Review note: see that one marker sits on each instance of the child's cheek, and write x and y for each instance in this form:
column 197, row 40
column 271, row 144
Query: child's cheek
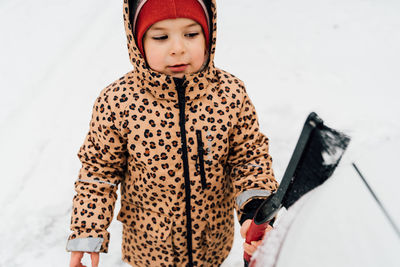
column 154, row 59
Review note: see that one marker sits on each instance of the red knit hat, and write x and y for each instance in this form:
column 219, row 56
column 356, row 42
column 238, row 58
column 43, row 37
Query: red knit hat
column 152, row 11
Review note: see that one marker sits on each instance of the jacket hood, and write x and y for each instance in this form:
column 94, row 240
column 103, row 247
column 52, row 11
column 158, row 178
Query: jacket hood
column 139, row 62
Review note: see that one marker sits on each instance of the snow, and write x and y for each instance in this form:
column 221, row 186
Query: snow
column 331, row 159
column 336, row 143
column 269, row 250
column 331, row 226
column 337, row 58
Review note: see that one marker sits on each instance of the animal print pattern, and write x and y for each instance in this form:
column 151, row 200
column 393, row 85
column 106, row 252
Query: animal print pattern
column 134, row 141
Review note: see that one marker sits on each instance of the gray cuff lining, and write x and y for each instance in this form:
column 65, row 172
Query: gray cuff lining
column 89, row 244
column 246, row 195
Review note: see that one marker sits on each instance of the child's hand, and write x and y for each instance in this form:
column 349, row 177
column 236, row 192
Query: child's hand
column 76, row 257
column 250, row 249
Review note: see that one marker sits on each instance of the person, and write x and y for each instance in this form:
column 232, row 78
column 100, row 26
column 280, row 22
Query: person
column 180, row 137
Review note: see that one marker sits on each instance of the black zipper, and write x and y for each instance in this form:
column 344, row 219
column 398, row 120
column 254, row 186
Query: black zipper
column 200, row 153
column 182, row 119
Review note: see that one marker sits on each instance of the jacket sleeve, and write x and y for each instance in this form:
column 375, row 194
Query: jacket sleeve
column 249, row 162
column 103, row 161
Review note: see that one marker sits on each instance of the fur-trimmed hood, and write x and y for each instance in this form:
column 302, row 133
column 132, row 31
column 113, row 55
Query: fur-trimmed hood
column 137, row 59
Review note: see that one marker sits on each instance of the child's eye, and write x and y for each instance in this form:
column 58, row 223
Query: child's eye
column 192, row 34
column 161, row 37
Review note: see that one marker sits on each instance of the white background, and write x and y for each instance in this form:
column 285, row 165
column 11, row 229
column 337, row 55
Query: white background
column 340, row 59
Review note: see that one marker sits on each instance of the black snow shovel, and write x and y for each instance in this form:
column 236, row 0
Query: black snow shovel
column 317, row 153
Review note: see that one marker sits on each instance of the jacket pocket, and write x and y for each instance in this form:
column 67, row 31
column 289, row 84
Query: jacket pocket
column 200, row 154
column 154, row 224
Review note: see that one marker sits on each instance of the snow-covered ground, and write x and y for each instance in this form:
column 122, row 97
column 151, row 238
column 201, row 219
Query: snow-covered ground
column 338, row 58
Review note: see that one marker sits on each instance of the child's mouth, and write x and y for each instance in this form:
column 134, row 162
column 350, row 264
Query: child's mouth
column 178, row 67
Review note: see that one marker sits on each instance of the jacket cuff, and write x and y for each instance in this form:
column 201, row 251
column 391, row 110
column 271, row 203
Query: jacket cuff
column 248, row 195
column 248, row 202
column 250, row 209
column 86, row 244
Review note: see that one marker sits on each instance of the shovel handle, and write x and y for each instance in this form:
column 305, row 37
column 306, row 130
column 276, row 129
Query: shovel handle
column 255, row 233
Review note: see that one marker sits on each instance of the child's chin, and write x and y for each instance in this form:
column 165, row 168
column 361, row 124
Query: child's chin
column 178, row 75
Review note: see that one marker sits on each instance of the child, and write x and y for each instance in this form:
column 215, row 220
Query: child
column 181, row 137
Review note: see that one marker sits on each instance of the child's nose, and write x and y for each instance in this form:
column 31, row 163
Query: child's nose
column 177, row 47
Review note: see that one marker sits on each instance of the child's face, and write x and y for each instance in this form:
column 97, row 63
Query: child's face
column 175, row 47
